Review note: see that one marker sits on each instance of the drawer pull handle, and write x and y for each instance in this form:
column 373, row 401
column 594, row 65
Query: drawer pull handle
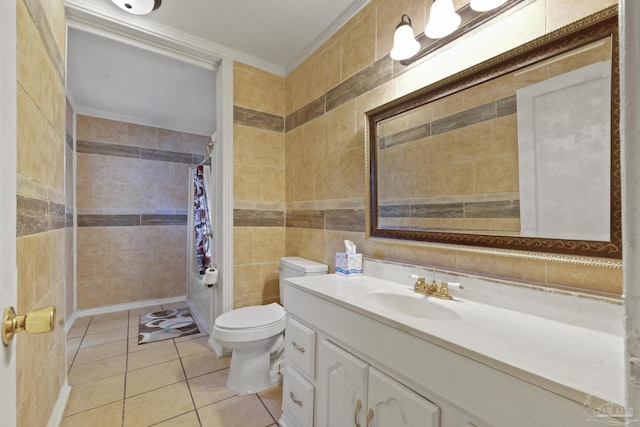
column 295, row 346
column 293, row 397
column 369, row 416
column 355, row 414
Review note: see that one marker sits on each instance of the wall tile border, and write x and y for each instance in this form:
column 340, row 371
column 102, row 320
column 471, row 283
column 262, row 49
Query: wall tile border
column 327, row 219
column 312, row 110
column 306, row 219
column 360, row 83
column 117, row 150
column 258, row 119
column 163, row 219
column 490, row 209
column 129, row 220
column 459, row 120
column 35, row 216
column 258, row 218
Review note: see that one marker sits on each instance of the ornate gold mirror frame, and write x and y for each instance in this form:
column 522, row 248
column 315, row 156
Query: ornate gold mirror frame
column 602, row 25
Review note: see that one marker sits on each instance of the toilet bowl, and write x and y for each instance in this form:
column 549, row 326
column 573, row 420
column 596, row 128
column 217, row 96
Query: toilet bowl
column 256, row 335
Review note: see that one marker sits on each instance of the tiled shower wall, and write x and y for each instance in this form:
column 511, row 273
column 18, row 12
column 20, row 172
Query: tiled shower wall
column 258, row 185
column 42, row 198
column 132, row 202
column 326, row 98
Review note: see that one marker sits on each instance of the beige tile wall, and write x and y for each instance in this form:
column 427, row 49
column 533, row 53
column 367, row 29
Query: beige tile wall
column 41, row 364
column 259, row 184
column 116, row 264
column 325, row 157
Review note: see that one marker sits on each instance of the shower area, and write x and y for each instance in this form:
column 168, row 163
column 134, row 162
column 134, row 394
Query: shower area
column 137, row 144
column 200, row 242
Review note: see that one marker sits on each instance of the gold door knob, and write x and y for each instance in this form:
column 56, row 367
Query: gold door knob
column 36, row 322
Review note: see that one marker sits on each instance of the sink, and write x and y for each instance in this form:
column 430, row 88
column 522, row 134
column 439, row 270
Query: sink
column 413, row 305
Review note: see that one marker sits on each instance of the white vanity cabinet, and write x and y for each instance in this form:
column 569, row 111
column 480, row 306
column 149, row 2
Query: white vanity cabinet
column 352, row 393
column 360, row 355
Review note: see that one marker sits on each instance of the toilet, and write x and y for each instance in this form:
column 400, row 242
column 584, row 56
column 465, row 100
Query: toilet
column 256, row 334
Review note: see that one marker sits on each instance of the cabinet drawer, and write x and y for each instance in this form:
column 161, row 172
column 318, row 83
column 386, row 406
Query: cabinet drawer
column 297, row 397
column 300, row 347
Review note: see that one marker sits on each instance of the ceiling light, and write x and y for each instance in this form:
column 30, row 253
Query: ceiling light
column 443, row 19
column 138, row 7
column 484, row 5
column 405, row 44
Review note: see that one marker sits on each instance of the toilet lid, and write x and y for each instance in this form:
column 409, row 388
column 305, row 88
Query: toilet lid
column 251, row 317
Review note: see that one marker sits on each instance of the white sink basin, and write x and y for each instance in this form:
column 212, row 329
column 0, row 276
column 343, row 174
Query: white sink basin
column 414, row 305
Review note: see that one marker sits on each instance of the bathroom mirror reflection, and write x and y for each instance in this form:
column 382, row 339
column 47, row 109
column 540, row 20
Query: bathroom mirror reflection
column 519, row 152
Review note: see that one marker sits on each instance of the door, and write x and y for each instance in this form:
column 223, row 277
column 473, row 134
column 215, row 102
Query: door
column 8, row 275
column 393, row 405
column 342, row 388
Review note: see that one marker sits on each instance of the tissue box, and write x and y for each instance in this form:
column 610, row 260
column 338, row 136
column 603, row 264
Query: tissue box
column 348, row 264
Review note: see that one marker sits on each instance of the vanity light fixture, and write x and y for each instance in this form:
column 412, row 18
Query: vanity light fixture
column 445, row 25
column 405, row 44
column 138, row 7
column 484, row 5
column 443, row 19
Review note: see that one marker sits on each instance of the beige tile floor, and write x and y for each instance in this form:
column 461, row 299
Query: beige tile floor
column 178, row 382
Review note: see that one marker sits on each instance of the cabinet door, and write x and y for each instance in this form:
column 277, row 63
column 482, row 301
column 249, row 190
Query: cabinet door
column 342, row 388
column 393, row 405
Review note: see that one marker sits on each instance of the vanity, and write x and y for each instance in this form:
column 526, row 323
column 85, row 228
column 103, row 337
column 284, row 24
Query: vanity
column 369, row 351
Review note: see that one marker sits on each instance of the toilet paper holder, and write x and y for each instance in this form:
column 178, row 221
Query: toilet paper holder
column 211, row 277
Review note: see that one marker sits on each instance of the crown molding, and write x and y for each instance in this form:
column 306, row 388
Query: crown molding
column 156, row 36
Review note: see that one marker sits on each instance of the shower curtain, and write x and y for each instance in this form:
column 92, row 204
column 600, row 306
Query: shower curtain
column 201, row 223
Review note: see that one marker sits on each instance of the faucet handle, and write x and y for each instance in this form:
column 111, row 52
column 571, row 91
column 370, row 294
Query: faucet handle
column 420, row 285
column 455, row 285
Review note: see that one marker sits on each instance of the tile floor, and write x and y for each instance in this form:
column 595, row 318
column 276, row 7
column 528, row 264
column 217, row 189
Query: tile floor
column 178, row 382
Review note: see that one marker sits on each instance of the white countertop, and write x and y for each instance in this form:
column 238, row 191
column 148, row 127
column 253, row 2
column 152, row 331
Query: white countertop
column 569, row 360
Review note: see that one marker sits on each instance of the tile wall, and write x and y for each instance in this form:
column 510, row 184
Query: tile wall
column 42, row 201
column 132, row 202
column 326, row 98
column 258, row 185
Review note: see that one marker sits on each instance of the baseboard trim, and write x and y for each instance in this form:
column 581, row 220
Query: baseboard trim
column 58, row 410
column 126, row 306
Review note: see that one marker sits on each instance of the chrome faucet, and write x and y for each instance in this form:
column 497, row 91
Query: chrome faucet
column 433, row 289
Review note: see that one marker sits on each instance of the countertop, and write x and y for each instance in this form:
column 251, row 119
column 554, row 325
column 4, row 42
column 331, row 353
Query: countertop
column 575, row 362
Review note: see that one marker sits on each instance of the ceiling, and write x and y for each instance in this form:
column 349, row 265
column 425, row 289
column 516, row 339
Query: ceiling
column 143, row 79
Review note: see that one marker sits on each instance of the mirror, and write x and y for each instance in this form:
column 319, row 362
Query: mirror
column 521, row 152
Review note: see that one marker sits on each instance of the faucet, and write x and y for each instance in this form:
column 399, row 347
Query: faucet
column 433, row 289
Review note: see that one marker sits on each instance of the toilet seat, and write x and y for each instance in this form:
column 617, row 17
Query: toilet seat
column 250, row 323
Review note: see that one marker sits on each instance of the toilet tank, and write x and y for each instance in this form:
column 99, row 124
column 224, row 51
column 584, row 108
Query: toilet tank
column 295, row 266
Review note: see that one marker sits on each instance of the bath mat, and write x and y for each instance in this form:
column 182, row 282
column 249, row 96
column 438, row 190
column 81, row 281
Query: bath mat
column 167, row 324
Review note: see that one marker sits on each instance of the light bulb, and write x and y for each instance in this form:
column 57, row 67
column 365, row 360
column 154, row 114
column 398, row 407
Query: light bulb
column 443, row 19
column 405, row 44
